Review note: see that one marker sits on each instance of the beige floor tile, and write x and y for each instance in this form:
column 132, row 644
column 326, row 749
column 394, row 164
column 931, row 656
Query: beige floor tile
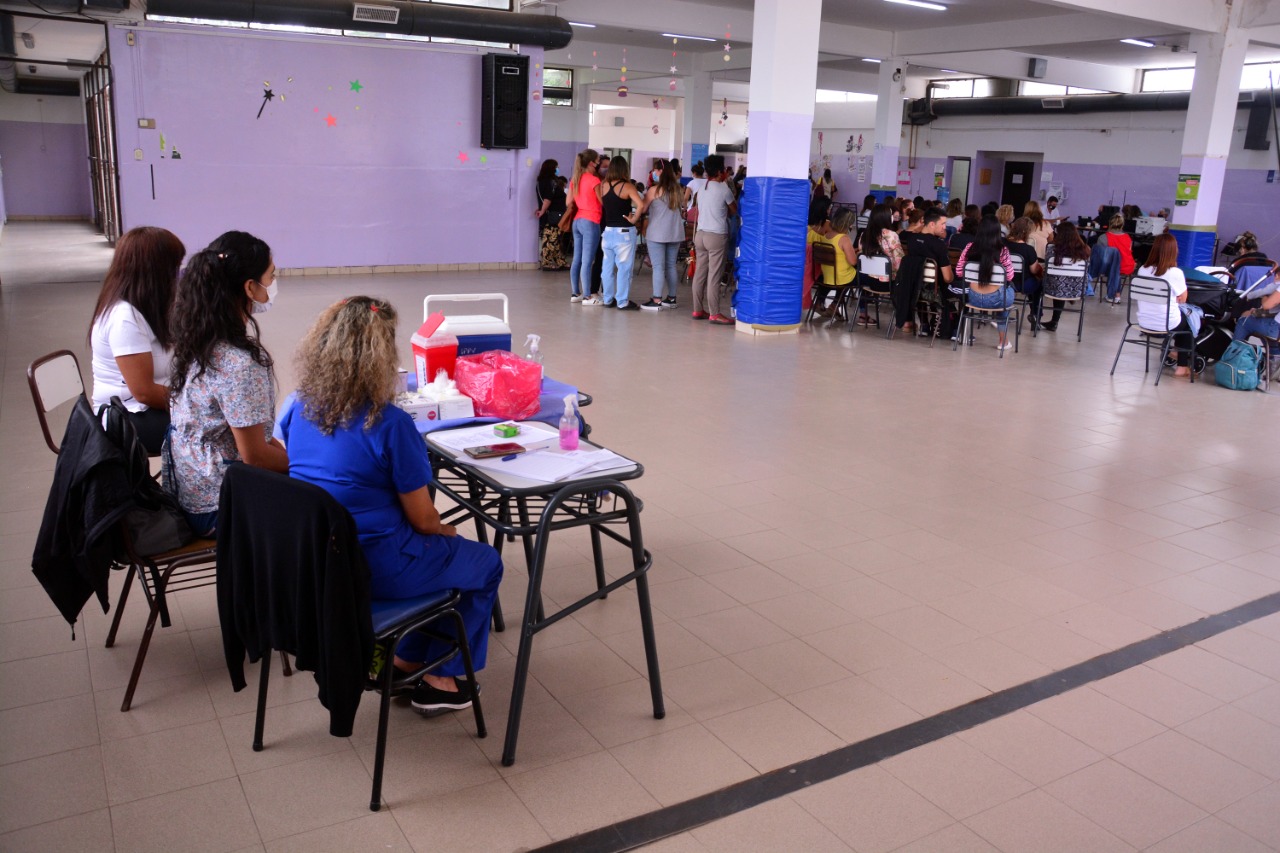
column 1265, row 704
column 853, row 709
column 485, row 817
column 581, row 667
column 753, row 584
column 34, row 730
column 704, row 558
column 35, row 637
column 1210, row 673
column 1102, row 723
column 766, row 545
column 1256, row 815
column 372, row 832
column 292, row 732
column 1036, row 821
column 925, row 685
column 1249, row 649
column 581, row 793
column 548, row 734
column 165, row 761
column 208, row 818
column 1192, row 771
column 956, row 838
column 33, row 680
column 790, row 666
column 1151, row 608
column 925, row 628
column 803, row 613
column 307, row 795
column 1210, row 834
column 866, row 597
column 169, row 656
column 51, row 787
column 1133, row 808
column 773, row 735
column 956, row 777
column 1239, row 736
column 682, row 763
column 431, row 760
column 888, row 814
column 714, row 688
column 170, row 703
column 1030, row 747
column 735, row 630
column 990, row 663
column 85, row 833
column 779, row 826
column 1156, row 695
column 623, row 713
column 689, row 598
column 677, row 647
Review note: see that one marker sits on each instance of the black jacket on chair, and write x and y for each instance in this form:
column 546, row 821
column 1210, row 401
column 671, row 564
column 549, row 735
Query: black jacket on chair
column 292, row 576
column 80, row 532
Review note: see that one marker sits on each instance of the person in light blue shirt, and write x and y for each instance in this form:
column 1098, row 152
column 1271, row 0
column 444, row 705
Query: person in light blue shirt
column 344, row 435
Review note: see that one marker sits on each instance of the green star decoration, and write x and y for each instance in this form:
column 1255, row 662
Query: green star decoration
column 355, row 86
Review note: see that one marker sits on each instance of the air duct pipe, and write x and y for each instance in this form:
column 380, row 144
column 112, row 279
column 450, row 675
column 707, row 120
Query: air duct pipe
column 928, row 110
column 410, row 18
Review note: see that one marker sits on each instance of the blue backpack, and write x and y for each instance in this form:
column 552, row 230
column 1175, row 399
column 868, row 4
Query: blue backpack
column 1238, row 368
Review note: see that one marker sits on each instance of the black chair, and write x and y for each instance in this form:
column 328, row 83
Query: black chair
column 1156, row 292
column 824, row 254
column 391, row 620
column 971, row 314
column 1066, row 284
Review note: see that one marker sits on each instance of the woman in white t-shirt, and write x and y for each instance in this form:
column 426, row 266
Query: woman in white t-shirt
column 1162, row 263
column 130, row 336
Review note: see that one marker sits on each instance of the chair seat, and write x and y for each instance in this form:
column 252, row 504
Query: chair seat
column 390, row 612
column 988, row 310
column 191, row 547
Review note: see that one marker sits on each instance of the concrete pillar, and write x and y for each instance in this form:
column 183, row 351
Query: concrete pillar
column 884, row 167
column 697, row 119
column 1206, row 143
column 775, row 201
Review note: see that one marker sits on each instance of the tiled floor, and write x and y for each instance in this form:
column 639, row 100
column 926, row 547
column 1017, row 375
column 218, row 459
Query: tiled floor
column 848, row 534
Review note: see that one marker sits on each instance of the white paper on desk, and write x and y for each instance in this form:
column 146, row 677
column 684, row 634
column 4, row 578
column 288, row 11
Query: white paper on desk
column 547, row 466
column 459, row 440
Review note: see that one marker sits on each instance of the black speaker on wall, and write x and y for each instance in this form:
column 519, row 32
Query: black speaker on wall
column 504, row 105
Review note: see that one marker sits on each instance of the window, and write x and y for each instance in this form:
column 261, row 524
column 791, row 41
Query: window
column 833, row 96
column 979, row 87
column 1032, row 88
column 1168, row 79
column 1260, row 76
column 557, row 86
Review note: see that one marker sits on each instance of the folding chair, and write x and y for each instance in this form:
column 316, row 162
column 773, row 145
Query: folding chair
column 970, row 314
column 1153, row 291
column 824, row 254
column 1021, row 299
column 1065, row 283
column 874, row 286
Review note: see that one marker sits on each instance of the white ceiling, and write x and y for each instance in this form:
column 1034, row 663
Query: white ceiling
column 56, row 41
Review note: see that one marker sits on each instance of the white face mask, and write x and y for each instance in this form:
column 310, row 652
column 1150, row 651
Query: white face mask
column 263, row 307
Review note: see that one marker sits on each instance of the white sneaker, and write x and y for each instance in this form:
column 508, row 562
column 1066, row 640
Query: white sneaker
column 593, row 300
column 1006, row 346
column 575, row 298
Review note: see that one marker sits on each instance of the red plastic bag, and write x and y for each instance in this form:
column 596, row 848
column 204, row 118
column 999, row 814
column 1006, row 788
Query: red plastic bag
column 502, row 384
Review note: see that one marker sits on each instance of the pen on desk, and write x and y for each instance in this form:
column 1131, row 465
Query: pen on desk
column 509, row 458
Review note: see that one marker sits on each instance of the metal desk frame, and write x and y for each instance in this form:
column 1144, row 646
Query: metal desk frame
column 516, row 507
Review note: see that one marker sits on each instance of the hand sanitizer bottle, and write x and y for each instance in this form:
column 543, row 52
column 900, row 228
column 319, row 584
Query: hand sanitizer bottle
column 532, row 349
column 569, row 424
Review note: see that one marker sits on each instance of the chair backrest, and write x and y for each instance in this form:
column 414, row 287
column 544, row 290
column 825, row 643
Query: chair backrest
column 1019, row 266
column 54, row 379
column 825, row 254
column 973, row 270
column 1153, row 291
column 876, row 266
column 929, row 275
column 1075, row 269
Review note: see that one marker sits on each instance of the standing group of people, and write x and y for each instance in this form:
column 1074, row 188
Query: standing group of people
column 182, row 352
column 603, row 210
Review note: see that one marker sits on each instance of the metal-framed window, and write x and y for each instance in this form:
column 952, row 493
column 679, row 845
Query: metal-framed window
column 557, row 86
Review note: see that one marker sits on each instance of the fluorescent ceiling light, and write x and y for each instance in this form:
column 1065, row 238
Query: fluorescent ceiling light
column 937, row 7
column 1137, row 42
column 869, row 59
column 691, row 38
column 580, row 24
column 949, row 71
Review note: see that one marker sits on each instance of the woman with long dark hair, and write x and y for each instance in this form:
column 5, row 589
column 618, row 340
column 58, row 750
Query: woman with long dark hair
column 223, row 405
column 989, row 290
column 663, row 235
column 345, row 436
column 129, row 335
column 879, row 238
column 1068, row 249
column 551, row 206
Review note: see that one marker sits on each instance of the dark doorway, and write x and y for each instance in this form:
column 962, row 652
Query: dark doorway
column 1017, row 184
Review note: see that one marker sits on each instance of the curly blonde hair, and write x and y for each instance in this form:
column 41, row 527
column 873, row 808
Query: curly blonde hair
column 348, row 363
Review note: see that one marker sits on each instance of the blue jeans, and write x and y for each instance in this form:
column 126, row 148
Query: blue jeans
column 1263, row 327
column 663, row 256
column 450, row 562
column 1105, row 262
column 203, row 524
column 1002, row 298
column 586, row 237
column 619, row 255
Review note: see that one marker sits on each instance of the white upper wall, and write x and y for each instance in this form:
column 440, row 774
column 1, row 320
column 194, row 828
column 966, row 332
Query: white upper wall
column 41, row 108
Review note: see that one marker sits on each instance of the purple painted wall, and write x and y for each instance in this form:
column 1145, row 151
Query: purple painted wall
column 563, row 153
column 46, row 169
column 391, row 173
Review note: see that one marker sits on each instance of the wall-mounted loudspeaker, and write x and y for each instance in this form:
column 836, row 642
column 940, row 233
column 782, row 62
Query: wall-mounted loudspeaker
column 1037, row 67
column 504, row 107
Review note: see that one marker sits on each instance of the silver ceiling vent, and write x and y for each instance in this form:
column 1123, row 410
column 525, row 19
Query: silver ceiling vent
column 1053, row 103
column 368, row 13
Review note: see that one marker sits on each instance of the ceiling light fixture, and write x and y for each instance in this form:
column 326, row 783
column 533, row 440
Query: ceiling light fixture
column 29, row 41
column 580, row 24
column 920, row 4
column 869, row 59
column 1137, row 42
column 949, row 71
column 690, row 38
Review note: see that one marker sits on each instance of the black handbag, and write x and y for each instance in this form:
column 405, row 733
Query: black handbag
column 156, row 524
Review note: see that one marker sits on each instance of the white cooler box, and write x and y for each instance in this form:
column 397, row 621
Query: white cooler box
column 475, row 332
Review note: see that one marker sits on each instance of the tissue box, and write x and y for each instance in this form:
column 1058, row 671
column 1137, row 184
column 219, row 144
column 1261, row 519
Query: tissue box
column 419, row 408
column 455, row 408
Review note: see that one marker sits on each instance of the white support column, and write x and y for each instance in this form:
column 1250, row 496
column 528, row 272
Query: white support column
column 888, row 138
column 697, row 119
column 1206, row 142
column 784, row 74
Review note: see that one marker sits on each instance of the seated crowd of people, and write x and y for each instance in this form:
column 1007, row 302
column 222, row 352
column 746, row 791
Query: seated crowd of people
column 986, row 256
column 183, row 354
